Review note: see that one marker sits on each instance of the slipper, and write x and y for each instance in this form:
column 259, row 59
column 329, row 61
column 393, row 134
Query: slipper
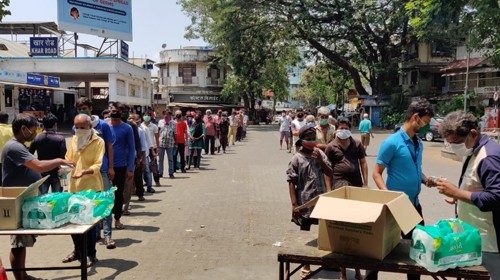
column 119, row 225
column 126, row 213
column 69, row 258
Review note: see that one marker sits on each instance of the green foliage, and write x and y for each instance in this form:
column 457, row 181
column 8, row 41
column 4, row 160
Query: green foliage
column 256, row 49
column 4, row 4
column 457, row 103
column 475, row 21
column 323, row 83
column 391, row 116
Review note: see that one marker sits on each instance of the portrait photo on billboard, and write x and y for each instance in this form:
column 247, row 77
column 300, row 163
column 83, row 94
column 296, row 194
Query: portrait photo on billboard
column 107, row 19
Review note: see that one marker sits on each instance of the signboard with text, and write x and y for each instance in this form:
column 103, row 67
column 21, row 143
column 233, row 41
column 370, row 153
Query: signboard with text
column 123, row 50
column 44, row 46
column 103, row 18
column 42, row 80
column 197, row 98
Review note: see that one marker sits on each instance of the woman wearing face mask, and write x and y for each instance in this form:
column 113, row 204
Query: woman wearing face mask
column 308, row 176
column 196, row 141
column 347, row 156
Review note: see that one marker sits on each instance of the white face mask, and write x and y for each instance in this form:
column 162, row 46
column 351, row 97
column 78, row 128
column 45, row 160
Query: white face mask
column 95, row 121
column 461, row 150
column 343, row 134
column 82, row 137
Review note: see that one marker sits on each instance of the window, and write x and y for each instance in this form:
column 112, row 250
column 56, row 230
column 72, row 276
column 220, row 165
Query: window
column 187, row 71
column 440, row 49
column 413, row 77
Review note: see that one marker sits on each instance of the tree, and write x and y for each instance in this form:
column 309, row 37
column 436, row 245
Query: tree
column 247, row 40
column 364, row 38
column 4, row 4
column 477, row 22
column 323, row 83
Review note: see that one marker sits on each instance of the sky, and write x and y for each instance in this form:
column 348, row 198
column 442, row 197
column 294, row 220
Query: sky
column 154, row 22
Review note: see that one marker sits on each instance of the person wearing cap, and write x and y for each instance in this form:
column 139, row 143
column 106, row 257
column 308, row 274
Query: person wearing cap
column 365, row 128
column 210, row 124
column 308, row 175
column 325, row 132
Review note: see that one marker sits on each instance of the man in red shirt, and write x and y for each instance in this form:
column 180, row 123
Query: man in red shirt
column 181, row 134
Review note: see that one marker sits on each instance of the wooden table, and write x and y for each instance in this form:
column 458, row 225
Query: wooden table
column 300, row 247
column 68, row 229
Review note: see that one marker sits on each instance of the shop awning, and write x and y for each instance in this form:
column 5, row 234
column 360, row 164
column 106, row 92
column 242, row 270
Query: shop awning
column 39, row 87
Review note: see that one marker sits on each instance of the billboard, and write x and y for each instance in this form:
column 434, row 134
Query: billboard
column 103, row 18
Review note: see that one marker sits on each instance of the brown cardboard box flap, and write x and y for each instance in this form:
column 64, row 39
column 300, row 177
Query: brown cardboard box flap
column 404, row 212
column 343, row 210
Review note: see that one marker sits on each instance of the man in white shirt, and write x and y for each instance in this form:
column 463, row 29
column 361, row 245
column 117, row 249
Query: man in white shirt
column 297, row 124
column 284, row 122
column 153, row 136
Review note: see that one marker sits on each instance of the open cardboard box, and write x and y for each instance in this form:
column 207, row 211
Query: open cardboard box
column 363, row 222
column 11, row 202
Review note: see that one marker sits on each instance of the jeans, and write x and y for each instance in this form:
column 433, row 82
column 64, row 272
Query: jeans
column 119, row 182
column 180, row 151
column 171, row 152
column 194, row 159
column 148, row 176
column 55, row 182
column 210, row 141
column 108, row 221
column 138, row 173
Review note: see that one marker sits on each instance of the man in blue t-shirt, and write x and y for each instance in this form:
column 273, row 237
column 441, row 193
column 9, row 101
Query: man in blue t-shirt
column 84, row 106
column 401, row 155
column 124, row 156
column 365, row 128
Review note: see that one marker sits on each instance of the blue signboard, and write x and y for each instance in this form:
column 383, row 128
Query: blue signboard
column 103, row 18
column 123, row 50
column 44, row 46
column 42, row 80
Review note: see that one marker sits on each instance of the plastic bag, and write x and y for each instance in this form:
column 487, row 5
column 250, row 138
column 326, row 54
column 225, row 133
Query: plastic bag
column 448, row 244
column 46, row 211
column 88, row 207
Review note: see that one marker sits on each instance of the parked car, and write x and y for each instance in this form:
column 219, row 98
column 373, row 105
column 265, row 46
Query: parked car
column 432, row 134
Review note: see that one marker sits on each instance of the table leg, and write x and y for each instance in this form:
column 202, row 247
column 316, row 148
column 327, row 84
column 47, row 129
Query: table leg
column 84, row 257
column 282, row 271
column 287, row 270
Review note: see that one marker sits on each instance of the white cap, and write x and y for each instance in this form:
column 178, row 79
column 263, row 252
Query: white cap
column 365, row 116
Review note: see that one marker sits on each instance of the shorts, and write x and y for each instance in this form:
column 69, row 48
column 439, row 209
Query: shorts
column 285, row 134
column 365, row 139
column 22, row 241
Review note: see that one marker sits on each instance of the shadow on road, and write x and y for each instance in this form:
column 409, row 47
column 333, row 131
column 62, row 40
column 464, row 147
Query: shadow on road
column 148, row 200
column 142, row 228
column 147, row 214
column 125, row 242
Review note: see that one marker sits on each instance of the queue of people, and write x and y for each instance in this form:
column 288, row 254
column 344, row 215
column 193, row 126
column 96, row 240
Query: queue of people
column 121, row 149
column 315, row 169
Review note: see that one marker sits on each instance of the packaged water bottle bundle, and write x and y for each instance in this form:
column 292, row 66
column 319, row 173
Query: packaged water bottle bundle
column 447, row 244
column 87, row 207
column 46, row 211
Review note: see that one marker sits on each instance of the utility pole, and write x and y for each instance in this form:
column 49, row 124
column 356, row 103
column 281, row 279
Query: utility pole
column 466, row 87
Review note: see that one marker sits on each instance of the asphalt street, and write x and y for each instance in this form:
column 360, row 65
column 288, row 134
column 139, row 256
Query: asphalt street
column 219, row 222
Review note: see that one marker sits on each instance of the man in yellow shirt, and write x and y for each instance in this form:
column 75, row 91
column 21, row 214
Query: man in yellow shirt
column 86, row 150
column 5, row 134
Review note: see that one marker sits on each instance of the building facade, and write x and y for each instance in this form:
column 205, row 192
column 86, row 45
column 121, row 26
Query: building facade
column 190, row 75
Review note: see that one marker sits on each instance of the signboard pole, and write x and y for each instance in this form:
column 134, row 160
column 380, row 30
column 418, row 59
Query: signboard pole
column 76, row 44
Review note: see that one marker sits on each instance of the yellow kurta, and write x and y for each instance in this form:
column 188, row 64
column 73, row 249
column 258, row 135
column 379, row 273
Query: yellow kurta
column 90, row 157
column 5, row 135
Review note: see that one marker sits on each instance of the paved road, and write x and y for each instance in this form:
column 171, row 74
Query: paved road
column 219, row 222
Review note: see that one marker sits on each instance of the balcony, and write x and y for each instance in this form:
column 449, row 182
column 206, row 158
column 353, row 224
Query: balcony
column 165, row 81
column 214, row 82
column 458, row 85
column 186, row 80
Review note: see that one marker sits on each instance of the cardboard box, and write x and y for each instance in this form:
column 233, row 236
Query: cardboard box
column 363, row 222
column 11, row 202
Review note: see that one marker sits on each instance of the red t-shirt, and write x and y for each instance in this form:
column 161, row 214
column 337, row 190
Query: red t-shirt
column 180, row 132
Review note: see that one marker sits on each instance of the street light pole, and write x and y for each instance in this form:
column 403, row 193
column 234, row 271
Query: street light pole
column 466, row 87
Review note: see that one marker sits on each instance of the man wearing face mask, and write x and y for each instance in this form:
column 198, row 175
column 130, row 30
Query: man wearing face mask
column 21, row 168
column 86, row 150
column 325, row 132
column 233, row 127
column 124, row 152
column 401, row 155
column 477, row 195
column 181, row 136
column 297, row 124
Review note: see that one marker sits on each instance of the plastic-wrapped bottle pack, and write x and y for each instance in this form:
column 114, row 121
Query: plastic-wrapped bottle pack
column 87, row 207
column 46, row 211
column 447, row 244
